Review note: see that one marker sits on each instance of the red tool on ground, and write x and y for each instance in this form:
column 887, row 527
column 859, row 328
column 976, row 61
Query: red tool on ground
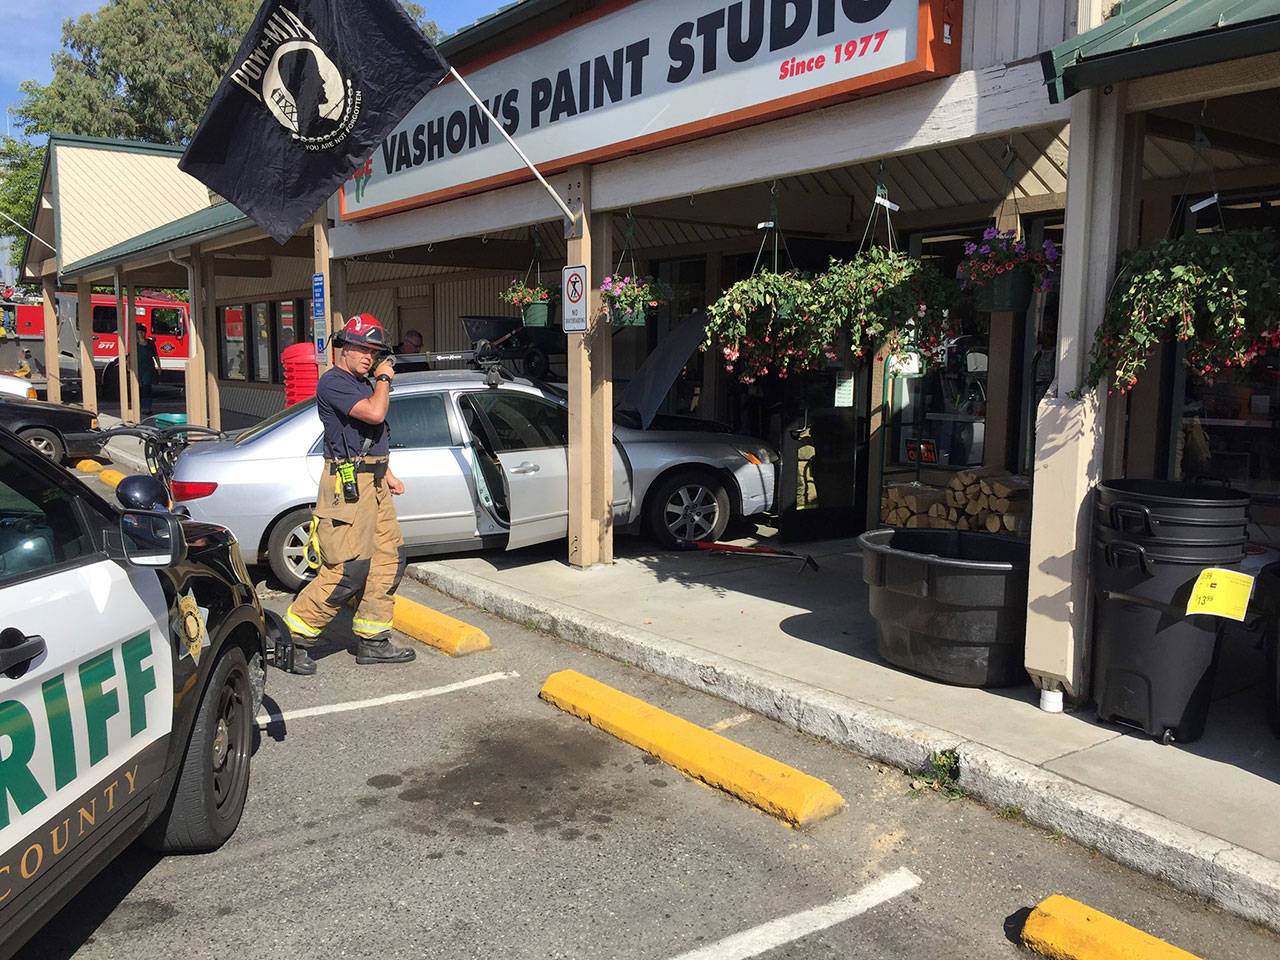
column 725, row 548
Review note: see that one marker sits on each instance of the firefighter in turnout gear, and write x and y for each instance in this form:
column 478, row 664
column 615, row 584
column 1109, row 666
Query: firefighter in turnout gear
column 361, row 547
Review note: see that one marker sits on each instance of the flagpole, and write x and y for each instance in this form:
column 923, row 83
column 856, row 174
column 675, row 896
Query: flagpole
column 514, row 146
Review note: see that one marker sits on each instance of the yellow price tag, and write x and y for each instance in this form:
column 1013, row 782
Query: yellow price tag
column 1221, row 593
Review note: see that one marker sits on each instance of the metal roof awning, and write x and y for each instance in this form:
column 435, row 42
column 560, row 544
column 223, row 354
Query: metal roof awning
column 1143, row 38
column 208, row 224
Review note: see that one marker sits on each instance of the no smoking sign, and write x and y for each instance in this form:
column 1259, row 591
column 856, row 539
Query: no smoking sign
column 574, row 284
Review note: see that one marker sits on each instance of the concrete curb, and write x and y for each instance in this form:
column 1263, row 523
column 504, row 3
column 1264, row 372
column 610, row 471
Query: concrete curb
column 1238, row 880
column 1066, row 929
column 437, row 629
column 765, row 783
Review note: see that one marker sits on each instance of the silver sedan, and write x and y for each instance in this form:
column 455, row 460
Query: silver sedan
column 483, row 466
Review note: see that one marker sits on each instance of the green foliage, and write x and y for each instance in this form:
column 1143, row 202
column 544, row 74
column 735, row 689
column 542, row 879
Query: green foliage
column 419, row 16
column 136, row 69
column 943, row 774
column 999, row 252
column 767, row 322
column 883, row 296
column 1219, row 294
column 625, row 294
column 520, row 293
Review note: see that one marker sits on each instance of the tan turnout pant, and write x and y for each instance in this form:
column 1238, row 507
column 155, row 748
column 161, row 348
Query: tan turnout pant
column 361, row 557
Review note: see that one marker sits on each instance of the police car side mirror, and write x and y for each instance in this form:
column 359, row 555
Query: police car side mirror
column 152, row 539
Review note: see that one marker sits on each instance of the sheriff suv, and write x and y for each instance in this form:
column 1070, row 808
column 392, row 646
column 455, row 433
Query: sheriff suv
column 132, row 662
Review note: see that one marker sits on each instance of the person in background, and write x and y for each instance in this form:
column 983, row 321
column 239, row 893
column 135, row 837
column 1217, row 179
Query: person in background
column 411, row 342
column 148, row 368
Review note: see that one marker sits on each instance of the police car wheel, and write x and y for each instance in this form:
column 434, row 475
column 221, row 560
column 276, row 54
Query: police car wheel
column 214, row 781
column 286, row 550
column 45, row 441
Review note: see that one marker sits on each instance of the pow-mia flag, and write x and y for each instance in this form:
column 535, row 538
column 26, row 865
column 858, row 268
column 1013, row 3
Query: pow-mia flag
column 315, row 86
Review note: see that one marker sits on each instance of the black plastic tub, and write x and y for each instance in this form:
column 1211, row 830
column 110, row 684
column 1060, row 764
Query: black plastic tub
column 1168, row 510
column 949, row 604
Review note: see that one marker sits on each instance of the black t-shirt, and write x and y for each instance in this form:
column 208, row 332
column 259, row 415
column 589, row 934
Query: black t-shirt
column 336, row 393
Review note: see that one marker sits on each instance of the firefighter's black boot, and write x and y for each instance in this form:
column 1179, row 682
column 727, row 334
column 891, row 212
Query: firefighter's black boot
column 302, row 662
column 380, row 649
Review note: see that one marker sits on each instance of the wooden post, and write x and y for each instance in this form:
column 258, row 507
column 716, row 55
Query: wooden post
column 84, row 322
column 195, row 379
column 320, row 236
column 53, row 377
column 338, row 311
column 209, row 339
column 131, row 339
column 122, row 328
column 590, row 359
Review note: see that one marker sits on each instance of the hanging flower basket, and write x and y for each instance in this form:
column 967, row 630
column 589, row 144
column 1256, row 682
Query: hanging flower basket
column 536, row 314
column 1218, row 294
column 767, row 323
column 533, row 300
column 1003, row 271
column 1009, row 290
column 629, row 298
column 882, row 296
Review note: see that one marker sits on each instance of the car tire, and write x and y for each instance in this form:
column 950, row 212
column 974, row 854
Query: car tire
column 285, row 549
column 209, row 796
column 685, row 506
column 47, row 442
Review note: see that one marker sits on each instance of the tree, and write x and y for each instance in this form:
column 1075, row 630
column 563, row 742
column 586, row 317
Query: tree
column 135, row 69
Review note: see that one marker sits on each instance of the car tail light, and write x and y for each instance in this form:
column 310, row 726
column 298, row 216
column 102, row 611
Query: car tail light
column 189, row 490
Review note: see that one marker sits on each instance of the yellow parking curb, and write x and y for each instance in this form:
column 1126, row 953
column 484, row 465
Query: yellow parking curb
column 111, row 478
column 437, row 629
column 1065, row 929
column 761, row 781
column 88, row 466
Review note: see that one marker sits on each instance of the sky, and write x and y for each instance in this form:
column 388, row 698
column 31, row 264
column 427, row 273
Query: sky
column 35, row 31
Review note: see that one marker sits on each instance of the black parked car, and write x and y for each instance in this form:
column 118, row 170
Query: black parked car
column 133, row 657
column 59, row 431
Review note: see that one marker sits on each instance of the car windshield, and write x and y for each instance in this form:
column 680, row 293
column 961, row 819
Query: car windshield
column 263, row 427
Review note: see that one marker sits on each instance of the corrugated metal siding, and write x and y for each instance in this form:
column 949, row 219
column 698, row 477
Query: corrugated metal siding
column 108, row 196
column 252, row 401
column 461, row 298
column 380, row 302
column 1003, row 31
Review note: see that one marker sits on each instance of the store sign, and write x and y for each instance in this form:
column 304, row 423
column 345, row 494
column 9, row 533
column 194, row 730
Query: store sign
column 639, row 74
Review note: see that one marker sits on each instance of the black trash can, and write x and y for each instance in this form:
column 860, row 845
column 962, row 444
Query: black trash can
column 949, row 604
column 1153, row 665
column 1266, row 595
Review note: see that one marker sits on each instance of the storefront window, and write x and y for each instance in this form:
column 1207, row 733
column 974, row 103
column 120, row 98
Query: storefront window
column 233, row 359
column 1226, row 426
column 260, row 333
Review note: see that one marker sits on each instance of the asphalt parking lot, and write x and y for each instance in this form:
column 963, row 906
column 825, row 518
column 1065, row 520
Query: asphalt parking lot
column 440, row 809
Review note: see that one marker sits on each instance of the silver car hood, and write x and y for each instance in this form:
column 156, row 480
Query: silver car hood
column 649, row 387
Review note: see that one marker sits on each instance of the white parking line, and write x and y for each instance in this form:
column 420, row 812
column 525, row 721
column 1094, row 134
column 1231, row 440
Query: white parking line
column 728, row 722
column 268, row 718
column 775, row 933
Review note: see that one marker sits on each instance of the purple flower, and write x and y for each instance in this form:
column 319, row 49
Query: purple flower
column 969, row 248
column 1050, row 250
column 985, row 248
column 990, row 234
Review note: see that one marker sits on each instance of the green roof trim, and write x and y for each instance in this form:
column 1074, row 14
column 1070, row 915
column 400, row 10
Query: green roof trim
column 207, row 224
column 501, row 20
column 1144, row 38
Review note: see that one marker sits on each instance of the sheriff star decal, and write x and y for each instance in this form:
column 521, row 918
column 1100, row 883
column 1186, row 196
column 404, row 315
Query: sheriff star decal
column 192, row 626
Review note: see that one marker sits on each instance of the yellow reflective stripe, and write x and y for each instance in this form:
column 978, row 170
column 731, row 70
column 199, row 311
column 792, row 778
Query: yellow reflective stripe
column 297, row 626
column 311, row 551
column 370, row 628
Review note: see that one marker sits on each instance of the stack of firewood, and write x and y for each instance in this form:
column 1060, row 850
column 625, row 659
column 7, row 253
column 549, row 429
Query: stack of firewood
column 987, row 500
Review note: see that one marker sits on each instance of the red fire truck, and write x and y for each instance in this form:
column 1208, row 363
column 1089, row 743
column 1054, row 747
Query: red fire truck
column 166, row 319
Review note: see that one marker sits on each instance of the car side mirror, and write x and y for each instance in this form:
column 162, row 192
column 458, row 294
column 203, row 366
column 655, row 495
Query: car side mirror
column 152, row 539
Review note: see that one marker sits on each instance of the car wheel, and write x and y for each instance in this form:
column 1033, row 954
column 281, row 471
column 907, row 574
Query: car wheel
column 286, row 550
column 47, row 442
column 687, row 506
column 214, row 780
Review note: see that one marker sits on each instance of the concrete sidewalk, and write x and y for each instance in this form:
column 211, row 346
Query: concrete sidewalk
column 799, row 646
